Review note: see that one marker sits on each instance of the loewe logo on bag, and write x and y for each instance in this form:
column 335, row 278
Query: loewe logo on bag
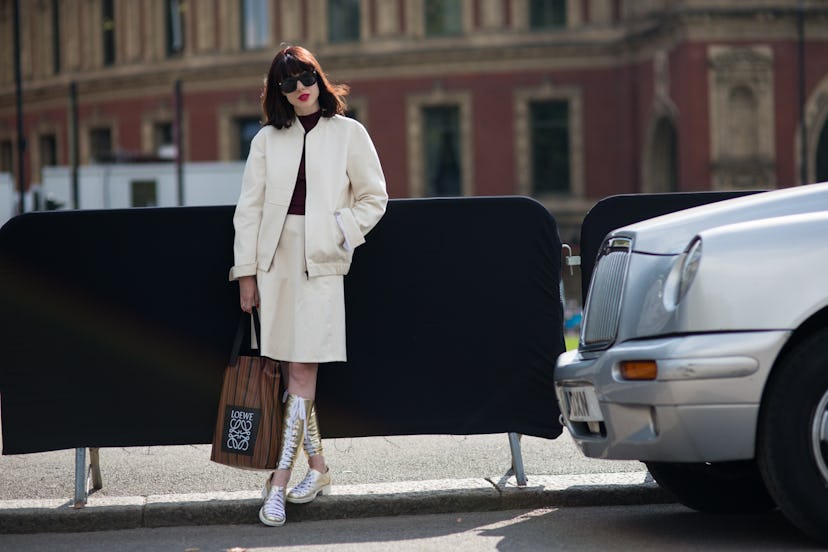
column 241, row 425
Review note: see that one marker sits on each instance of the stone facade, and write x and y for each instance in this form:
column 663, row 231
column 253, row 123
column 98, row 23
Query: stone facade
column 662, row 95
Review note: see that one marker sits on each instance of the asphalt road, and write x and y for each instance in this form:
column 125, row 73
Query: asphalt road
column 663, row 527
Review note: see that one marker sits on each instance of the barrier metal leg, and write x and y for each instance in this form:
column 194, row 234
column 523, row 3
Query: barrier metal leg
column 95, row 468
column 84, row 474
column 517, row 459
column 80, row 478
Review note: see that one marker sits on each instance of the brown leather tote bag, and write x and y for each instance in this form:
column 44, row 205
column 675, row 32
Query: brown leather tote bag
column 249, row 418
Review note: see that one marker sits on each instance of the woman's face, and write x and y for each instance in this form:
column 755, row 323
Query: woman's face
column 305, row 98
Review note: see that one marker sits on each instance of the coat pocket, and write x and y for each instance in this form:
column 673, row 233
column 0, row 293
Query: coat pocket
column 326, row 242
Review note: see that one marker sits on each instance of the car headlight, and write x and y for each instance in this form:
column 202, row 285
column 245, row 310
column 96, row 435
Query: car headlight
column 682, row 274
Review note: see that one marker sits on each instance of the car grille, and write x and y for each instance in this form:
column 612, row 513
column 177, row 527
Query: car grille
column 604, row 298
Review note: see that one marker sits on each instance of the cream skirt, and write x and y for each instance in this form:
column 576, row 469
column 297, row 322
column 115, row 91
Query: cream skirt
column 303, row 319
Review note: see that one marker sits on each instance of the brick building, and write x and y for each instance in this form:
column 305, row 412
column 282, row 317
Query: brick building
column 564, row 100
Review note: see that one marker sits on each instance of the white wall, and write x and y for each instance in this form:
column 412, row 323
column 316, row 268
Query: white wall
column 109, row 186
column 7, row 197
column 213, row 183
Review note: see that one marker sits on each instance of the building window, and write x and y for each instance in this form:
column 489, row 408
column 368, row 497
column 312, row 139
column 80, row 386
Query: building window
column 664, row 165
column 440, row 143
column 441, row 133
column 547, row 14
column 6, row 156
column 822, row 155
column 443, row 17
column 48, row 150
column 100, row 144
column 255, row 24
column 742, row 123
column 143, row 193
column 108, row 29
column 175, row 27
column 163, row 140
column 343, row 20
column 248, row 127
column 549, row 135
column 56, row 45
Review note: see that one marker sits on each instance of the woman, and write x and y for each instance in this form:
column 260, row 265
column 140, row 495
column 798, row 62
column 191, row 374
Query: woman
column 312, row 188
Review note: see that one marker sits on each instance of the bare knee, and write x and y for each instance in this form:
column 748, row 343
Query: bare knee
column 302, row 378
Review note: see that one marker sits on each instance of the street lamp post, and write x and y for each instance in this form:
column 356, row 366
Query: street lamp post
column 178, row 135
column 73, row 142
column 803, row 134
column 21, row 139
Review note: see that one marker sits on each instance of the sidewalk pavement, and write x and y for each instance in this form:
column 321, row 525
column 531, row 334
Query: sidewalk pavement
column 373, row 476
column 346, row 501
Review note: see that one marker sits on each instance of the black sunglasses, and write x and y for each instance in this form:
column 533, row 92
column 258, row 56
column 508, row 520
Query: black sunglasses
column 308, row 78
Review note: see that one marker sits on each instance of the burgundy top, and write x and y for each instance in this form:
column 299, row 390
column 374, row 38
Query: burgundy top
column 297, row 202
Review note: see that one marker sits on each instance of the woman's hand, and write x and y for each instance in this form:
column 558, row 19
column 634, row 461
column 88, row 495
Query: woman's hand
column 248, row 293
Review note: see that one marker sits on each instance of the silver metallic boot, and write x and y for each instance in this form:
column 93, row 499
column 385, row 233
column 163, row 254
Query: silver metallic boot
column 272, row 512
column 314, row 482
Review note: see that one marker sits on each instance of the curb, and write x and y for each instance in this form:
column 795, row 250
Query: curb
column 346, row 501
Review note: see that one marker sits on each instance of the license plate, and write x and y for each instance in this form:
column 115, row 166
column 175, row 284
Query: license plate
column 583, row 404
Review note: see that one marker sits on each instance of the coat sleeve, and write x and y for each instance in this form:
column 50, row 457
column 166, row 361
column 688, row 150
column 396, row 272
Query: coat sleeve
column 248, row 214
column 368, row 188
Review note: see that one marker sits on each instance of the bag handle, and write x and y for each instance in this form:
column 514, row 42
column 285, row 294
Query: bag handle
column 255, row 330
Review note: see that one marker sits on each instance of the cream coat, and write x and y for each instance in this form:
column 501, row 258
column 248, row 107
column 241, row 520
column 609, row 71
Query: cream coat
column 346, row 195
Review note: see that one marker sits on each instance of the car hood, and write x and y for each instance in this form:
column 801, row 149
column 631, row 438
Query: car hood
column 669, row 234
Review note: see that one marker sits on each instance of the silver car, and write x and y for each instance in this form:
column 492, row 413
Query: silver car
column 704, row 353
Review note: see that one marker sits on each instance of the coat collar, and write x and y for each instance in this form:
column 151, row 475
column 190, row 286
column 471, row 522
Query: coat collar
column 297, row 128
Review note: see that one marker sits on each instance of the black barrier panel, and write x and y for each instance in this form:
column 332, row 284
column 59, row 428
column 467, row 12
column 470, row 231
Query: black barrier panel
column 622, row 210
column 117, row 325
column 459, row 323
